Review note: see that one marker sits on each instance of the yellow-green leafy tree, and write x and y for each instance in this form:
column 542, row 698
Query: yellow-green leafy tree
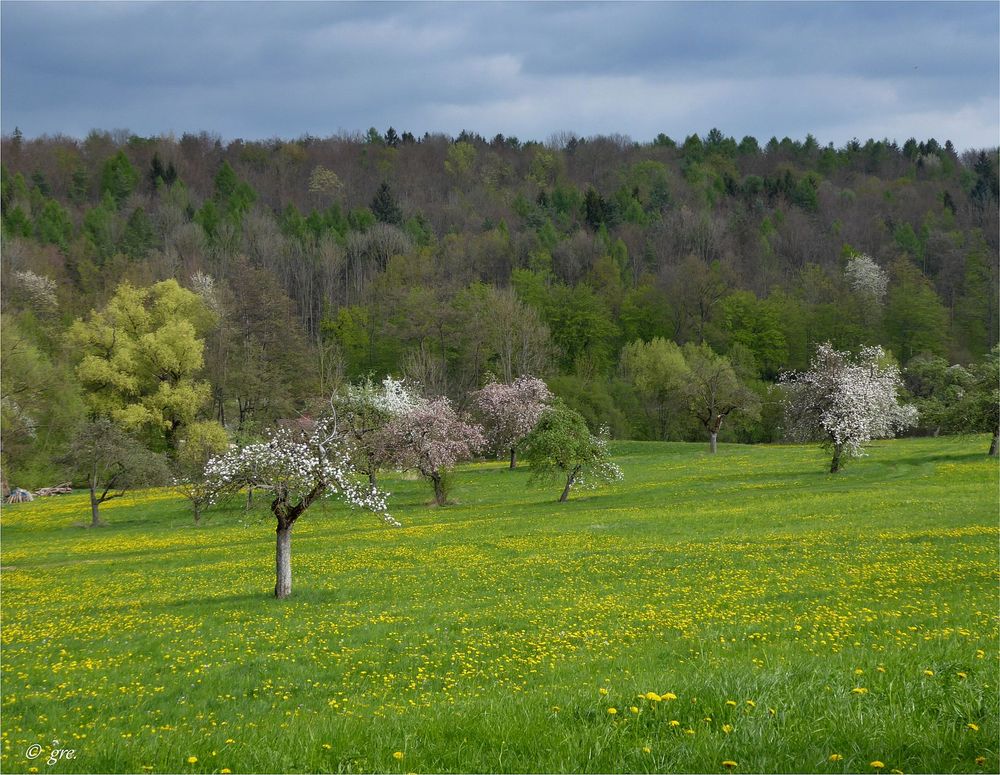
column 140, row 356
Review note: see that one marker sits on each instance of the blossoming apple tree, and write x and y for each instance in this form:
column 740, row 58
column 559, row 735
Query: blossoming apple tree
column 511, row 411
column 297, row 467
column 431, row 438
column 846, row 402
column 363, row 410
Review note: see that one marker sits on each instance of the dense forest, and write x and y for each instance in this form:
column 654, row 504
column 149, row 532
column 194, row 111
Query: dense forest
column 452, row 261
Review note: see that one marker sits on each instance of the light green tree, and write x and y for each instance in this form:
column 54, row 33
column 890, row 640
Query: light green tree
column 658, row 372
column 196, row 445
column 562, row 445
column 139, row 357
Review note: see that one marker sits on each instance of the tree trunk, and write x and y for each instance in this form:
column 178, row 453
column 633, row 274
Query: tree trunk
column 439, row 493
column 372, row 481
column 513, row 457
column 713, row 438
column 835, row 465
column 283, row 563
column 249, row 498
column 95, row 517
column 569, row 483
column 197, row 512
column 995, row 444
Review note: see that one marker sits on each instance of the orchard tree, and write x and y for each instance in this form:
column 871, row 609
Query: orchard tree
column 112, row 462
column 562, row 445
column 978, row 409
column 714, row 391
column 363, row 410
column 297, row 467
column 199, row 443
column 938, row 391
column 431, row 438
column 846, row 402
column 511, row 411
column 140, row 355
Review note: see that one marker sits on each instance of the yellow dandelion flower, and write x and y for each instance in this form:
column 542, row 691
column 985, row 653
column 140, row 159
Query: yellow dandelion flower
column 836, row 757
column 688, row 731
column 727, row 728
column 980, row 760
column 192, row 760
column 397, row 755
column 896, row 772
column 728, row 764
column 612, row 711
column 707, row 719
column 674, row 722
column 859, row 690
column 876, row 764
column 858, row 671
column 963, row 675
column 327, row 746
column 229, row 740
column 225, row 771
column 634, row 709
column 880, row 669
column 669, row 696
column 646, row 749
column 928, row 672
column 773, row 711
column 751, row 703
column 973, row 727
column 731, row 703
column 653, row 696
column 603, row 691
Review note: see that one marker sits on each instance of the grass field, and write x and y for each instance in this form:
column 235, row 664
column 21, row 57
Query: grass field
column 784, row 618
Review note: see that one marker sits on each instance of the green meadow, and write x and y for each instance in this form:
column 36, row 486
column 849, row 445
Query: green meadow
column 746, row 611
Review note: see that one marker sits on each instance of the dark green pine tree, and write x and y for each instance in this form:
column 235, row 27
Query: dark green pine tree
column 384, row 206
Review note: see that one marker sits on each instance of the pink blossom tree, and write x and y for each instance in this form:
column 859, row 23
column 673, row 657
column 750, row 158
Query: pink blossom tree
column 431, row 438
column 363, row 410
column 511, row 411
column 297, row 467
column 846, row 402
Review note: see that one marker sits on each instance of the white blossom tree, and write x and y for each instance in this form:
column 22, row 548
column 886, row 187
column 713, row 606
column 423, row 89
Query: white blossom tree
column 866, row 277
column 846, row 402
column 431, row 438
column 511, row 411
column 363, row 410
column 297, row 468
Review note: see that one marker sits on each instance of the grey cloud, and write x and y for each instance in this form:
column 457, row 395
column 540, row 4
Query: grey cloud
column 263, row 69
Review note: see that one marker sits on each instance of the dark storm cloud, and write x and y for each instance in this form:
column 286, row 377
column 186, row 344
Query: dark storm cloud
column 265, row 69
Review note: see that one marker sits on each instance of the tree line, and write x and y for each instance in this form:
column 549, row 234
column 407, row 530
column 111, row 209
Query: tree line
column 636, row 279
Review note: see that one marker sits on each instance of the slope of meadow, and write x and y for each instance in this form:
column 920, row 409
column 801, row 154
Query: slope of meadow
column 773, row 618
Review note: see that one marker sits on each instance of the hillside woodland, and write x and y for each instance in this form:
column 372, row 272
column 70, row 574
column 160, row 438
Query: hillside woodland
column 243, row 282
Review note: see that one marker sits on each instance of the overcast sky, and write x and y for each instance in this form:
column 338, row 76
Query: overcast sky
column 261, row 70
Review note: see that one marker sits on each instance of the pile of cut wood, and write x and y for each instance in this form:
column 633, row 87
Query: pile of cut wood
column 17, row 495
column 59, row 489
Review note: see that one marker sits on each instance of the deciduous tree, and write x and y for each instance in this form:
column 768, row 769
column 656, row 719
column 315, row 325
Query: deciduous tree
column 714, row 391
column 562, row 445
column 431, row 438
column 140, row 355
column 297, row 467
column 112, row 462
column 511, row 411
column 845, row 402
